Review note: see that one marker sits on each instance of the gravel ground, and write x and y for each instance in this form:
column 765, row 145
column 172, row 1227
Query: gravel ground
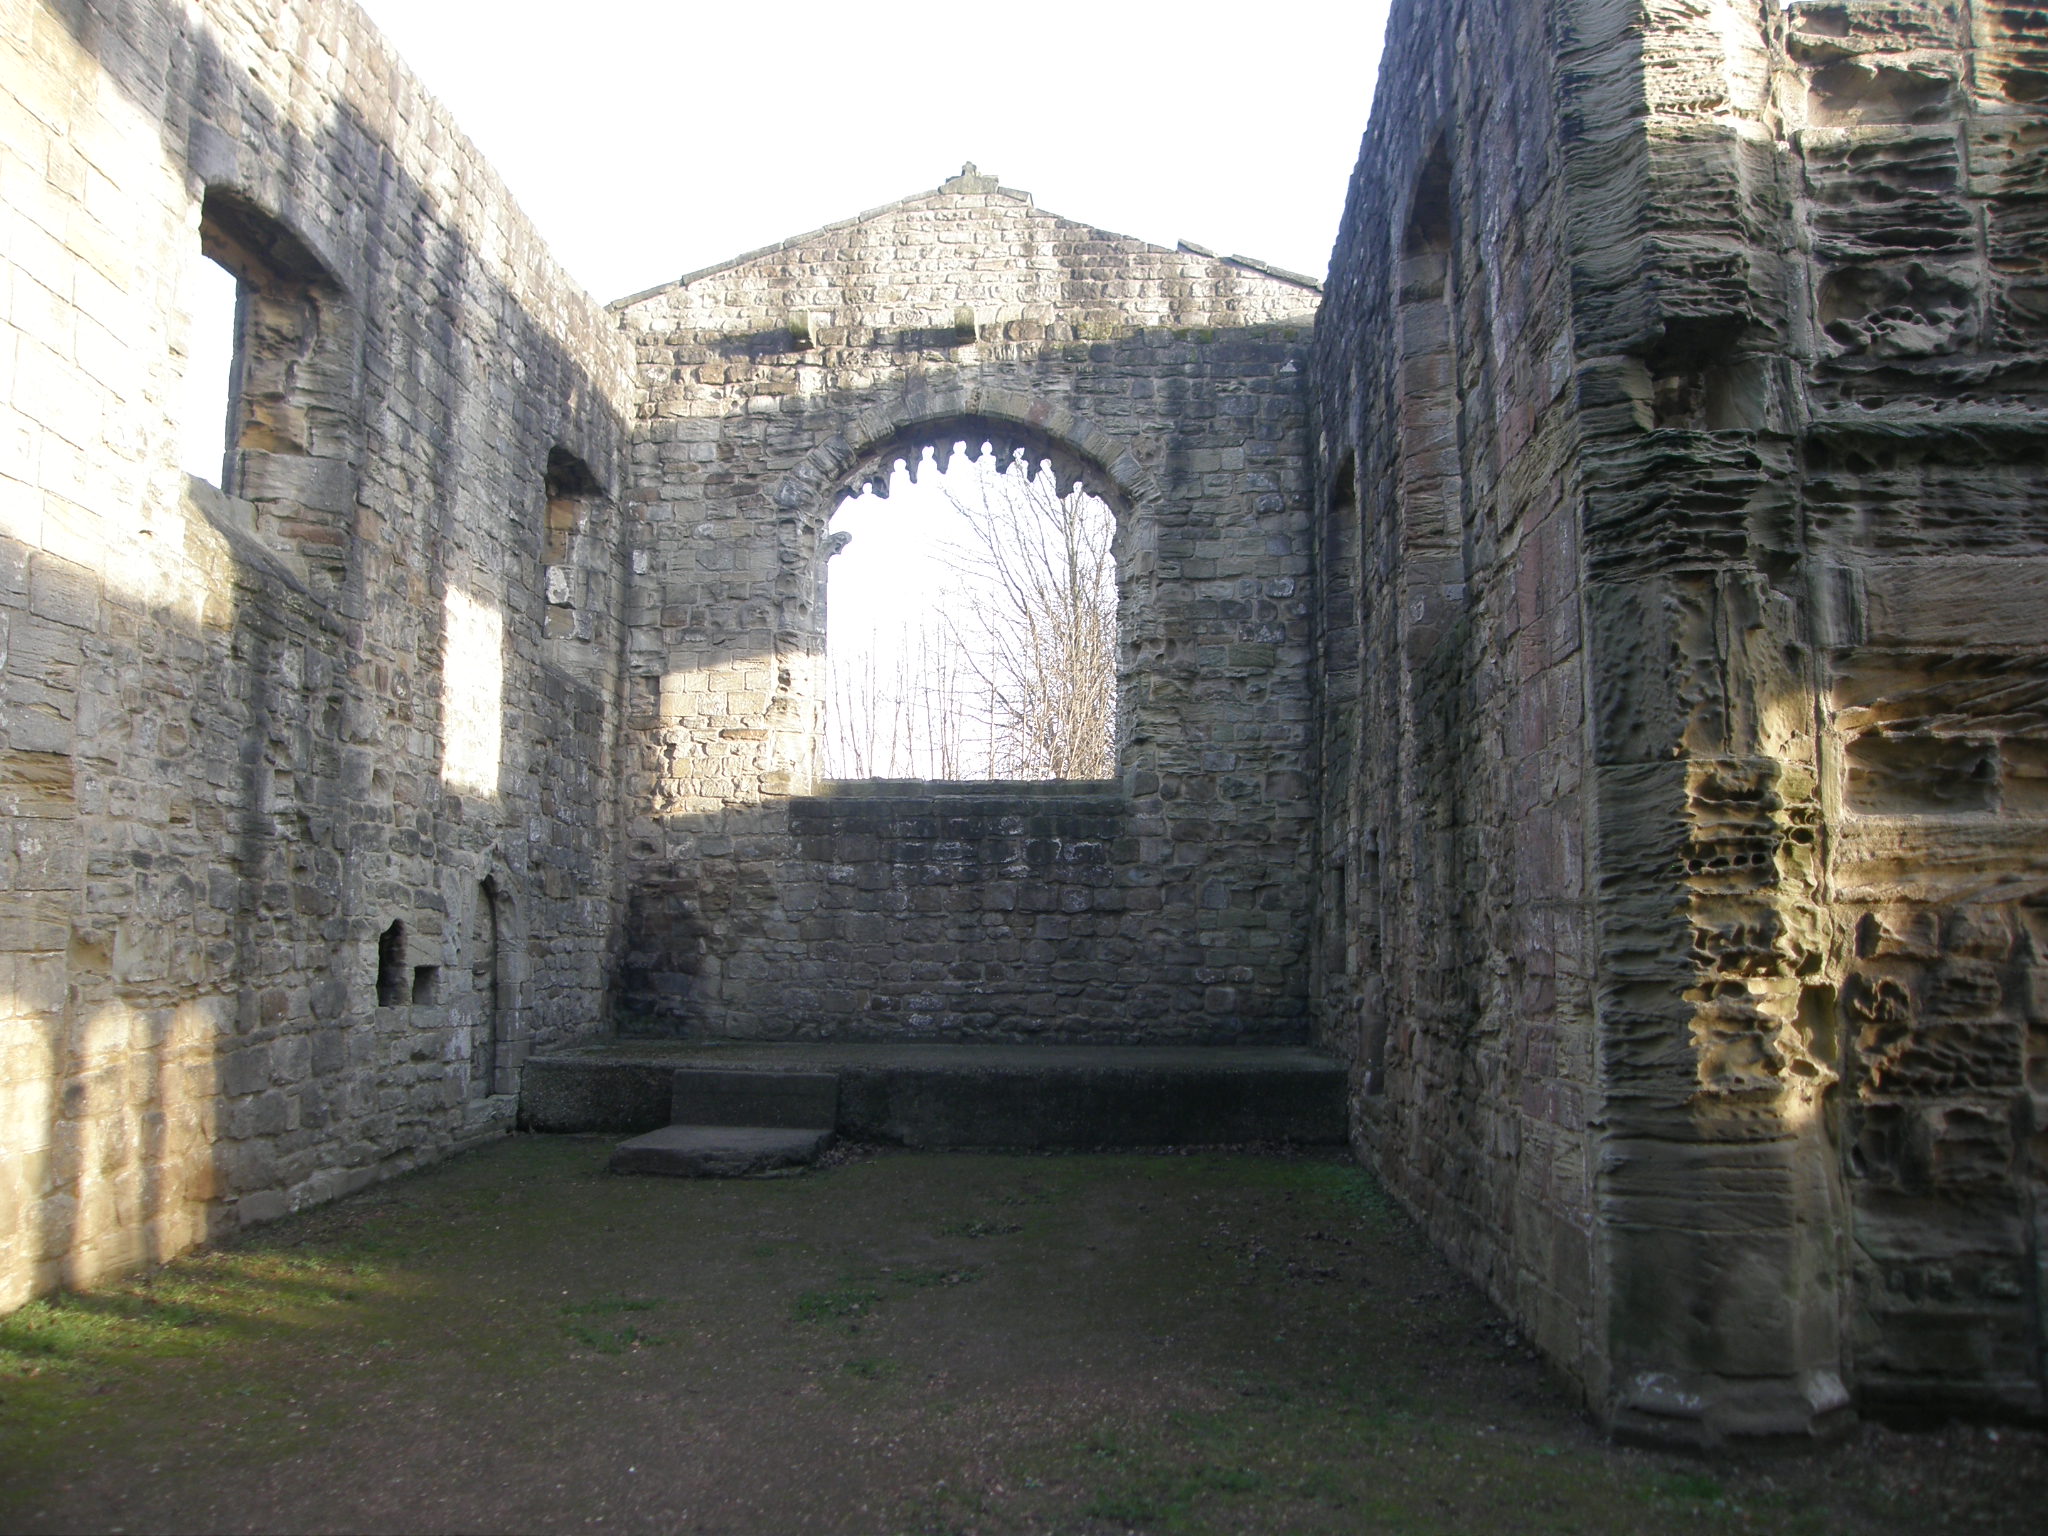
column 913, row 1343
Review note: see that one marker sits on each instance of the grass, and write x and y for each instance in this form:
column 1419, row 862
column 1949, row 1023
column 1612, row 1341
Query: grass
column 1210, row 1345
column 190, row 1310
column 845, row 1302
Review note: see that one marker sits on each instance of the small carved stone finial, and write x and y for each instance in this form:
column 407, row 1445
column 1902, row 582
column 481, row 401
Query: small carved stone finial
column 971, row 179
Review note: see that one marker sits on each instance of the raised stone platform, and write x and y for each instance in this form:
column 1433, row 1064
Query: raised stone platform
column 971, row 1095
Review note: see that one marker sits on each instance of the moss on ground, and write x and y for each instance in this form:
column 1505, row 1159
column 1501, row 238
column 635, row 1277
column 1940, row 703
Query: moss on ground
column 910, row 1343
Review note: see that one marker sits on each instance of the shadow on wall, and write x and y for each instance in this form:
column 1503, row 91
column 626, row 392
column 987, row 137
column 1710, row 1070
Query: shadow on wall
column 198, row 1044
column 942, row 912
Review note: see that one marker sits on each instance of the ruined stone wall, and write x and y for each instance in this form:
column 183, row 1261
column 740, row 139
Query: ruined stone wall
column 1918, row 146
column 1781, row 378
column 1830, row 394
column 227, row 752
column 1454, row 963
column 1169, row 381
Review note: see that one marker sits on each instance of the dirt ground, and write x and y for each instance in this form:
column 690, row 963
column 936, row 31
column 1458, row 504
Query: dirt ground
column 904, row 1343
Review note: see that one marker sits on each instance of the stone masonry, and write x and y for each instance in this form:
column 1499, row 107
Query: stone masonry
column 1172, row 904
column 1681, row 413
column 222, row 746
column 1584, row 667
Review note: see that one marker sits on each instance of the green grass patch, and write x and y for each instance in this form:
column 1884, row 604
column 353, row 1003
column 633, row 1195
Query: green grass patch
column 610, row 1341
column 582, row 1323
column 843, row 1303
column 189, row 1310
column 1688, row 1488
column 1172, row 1498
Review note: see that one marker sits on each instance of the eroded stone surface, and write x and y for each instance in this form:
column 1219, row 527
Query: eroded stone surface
column 1680, row 433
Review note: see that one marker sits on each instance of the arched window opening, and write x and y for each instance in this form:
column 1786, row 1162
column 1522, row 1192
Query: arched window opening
column 486, row 1020
column 1430, row 478
column 1338, row 553
column 1337, row 677
column 572, row 493
column 972, row 624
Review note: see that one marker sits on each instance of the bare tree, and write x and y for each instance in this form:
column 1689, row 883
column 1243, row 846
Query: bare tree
column 1034, row 617
column 906, row 717
column 1013, row 673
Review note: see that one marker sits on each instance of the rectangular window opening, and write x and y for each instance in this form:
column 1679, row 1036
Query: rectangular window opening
column 392, row 988
column 208, row 391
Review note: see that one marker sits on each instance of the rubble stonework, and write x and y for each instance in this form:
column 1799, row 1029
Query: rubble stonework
column 1681, row 412
column 1169, row 382
column 1583, row 668
column 221, row 750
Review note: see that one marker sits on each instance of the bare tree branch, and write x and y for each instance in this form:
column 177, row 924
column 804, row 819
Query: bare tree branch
column 1015, row 674
column 1035, row 619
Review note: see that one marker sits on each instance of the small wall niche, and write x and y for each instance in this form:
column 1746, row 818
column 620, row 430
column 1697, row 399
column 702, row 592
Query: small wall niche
column 1701, row 382
column 426, row 985
column 572, row 492
column 394, row 985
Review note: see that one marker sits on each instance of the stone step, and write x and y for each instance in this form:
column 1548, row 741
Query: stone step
column 720, row 1151
column 964, row 1095
column 794, row 1100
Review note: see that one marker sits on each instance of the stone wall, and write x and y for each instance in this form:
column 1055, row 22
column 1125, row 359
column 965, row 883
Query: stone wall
column 1594, row 679
column 1919, row 341
column 933, row 911
column 1690, row 950
column 1455, row 965
column 244, row 735
column 1170, row 382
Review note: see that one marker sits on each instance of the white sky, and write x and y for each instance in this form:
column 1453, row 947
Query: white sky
column 646, row 140
column 209, row 370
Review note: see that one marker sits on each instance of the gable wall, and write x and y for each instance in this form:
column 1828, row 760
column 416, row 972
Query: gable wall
column 1172, row 381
